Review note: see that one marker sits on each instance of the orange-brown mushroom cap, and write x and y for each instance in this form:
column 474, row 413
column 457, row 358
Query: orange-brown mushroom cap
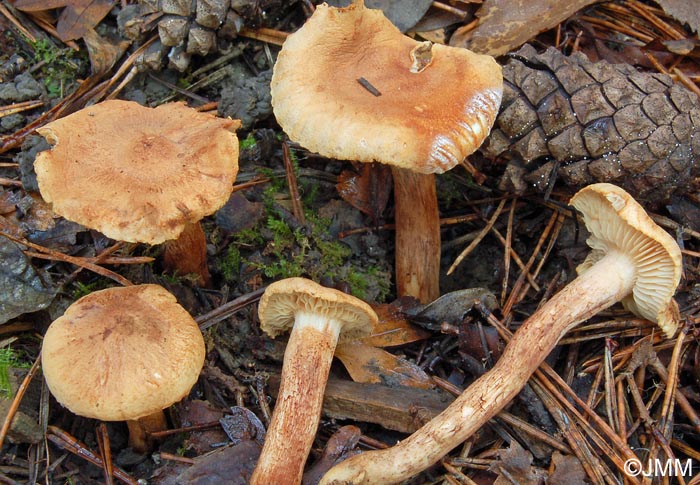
column 617, row 222
column 138, row 174
column 436, row 104
column 122, row 353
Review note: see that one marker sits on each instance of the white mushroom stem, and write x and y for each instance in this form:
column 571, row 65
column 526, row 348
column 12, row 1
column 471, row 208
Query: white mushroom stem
column 307, row 362
column 417, row 235
column 605, row 283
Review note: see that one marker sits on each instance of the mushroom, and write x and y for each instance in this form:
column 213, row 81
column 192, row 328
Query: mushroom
column 140, row 174
column 632, row 261
column 123, row 354
column 349, row 85
column 318, row 317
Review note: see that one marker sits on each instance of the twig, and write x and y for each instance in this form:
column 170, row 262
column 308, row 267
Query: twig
column 478, row 238
column 18, row 398
column 297, row 208
column 58, row 256
column 67, row 442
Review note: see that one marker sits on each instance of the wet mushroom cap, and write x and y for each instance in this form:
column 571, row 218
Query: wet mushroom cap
column 617, row 222
column 135, row 173
column 433, row 105
column 122, row 353
column 283, row 299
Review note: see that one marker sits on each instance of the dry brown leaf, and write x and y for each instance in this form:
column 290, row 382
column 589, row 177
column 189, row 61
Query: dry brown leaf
column 103, row 53
column 685, row 11
column 567, row 469
column 367, row 191
column 507, row 24
column 77, row 17
column 369, row 364
column 515, row 466
column 38, row 5
column 393, row 328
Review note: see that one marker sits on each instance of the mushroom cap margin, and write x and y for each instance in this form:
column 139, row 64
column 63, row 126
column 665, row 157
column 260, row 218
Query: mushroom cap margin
column 283, row 299
column 616, row 221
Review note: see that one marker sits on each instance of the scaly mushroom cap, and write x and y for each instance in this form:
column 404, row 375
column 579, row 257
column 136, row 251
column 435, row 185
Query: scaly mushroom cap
column 617, row 222
column 283, row 299
column 122, row 353
column 138, row 174
column 437, row 103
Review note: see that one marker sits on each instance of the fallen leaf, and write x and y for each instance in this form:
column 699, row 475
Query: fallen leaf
column 507, row 24
column 22, row 288
column 367, row 191
column 103, row 53
column 232, row 465
column 77, row 17
column 242, row 424
column 340, row 446
column 567, row 469
column 369, row 364
column 685, row 11
column 515, row 466
column 451, row 308
column 392, row 328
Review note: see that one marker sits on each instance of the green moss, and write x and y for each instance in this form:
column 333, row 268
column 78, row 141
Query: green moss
column 230, row 263
column 248, row 142
column 59, row 67
column 8, row 358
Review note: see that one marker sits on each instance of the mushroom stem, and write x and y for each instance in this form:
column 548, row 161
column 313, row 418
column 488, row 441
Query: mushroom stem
column 188, row 254
column 307, row 362
column 602, row 285
column 417, row 235
column 139, row 429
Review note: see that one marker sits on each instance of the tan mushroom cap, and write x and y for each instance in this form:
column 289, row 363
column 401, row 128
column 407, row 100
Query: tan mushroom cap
column 426, row 121
column 283, row 299
column 138, row 174
column 122, row 353
column 617, row 222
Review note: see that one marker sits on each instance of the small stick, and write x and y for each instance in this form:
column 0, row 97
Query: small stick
column 58, row 256
column 271, row 36
column 515, row 292
column 105, row 452
column 506, row 254
column 67, row 442
column 297, row 208
column 18, row 398
column 478, row 239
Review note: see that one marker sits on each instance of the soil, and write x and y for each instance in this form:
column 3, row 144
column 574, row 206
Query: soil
column 257, row 238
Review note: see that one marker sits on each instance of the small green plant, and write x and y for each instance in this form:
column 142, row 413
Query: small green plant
column 82, row 289
column 248, row 142
column 58, row 67
column 8, row 358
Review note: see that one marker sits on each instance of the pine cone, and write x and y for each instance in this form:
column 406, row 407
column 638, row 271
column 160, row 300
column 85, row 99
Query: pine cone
column 185, row 27
column 591, row 122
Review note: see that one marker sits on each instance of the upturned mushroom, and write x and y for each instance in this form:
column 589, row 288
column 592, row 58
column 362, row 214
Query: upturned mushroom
column 140, row 174
column 318, row 318
column 349, row 85
column 123, row 354
column 632, row 260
